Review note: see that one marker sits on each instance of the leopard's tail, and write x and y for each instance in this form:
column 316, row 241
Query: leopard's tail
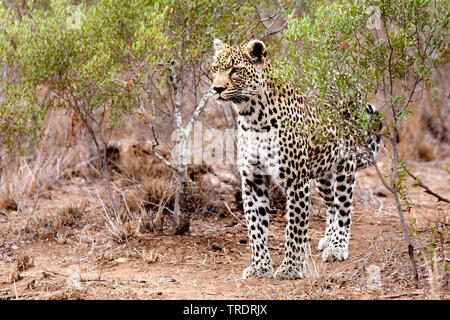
column 368, row 153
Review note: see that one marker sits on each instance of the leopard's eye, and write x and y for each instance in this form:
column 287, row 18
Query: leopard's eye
column 234, row 70
column 213, row 69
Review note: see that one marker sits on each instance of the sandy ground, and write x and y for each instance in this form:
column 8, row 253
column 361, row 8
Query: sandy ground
column 208, row 263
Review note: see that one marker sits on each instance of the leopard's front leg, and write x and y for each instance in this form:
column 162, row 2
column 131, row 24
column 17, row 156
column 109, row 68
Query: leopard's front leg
column 325, row 186
column 255, row 197
column 337, row 248
column 298, row 200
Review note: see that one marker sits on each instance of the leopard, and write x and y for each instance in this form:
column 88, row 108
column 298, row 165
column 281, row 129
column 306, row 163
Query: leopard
column 276, row 124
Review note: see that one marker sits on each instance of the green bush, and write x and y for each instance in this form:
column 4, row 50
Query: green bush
column 354, row 49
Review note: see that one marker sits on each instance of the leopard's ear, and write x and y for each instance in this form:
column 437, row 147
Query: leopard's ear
column 256, row 51
column 218, row 46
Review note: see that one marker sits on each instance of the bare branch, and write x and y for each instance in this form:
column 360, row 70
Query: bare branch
column 419, row 183
column 231, row 212
column 198, row 109
column 155, row 142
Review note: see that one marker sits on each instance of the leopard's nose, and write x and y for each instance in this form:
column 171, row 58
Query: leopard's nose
column 219, row 89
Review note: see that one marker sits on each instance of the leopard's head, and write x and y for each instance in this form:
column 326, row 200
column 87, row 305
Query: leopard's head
column 238, row 71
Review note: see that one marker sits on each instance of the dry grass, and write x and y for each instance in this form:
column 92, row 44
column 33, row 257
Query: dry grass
column 46, row 166
column 55, row 223
column 144, row 191
column 24, row 262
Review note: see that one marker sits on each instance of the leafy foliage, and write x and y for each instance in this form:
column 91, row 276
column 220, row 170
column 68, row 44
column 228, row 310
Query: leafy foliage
column 354, row 49
column 87, row 64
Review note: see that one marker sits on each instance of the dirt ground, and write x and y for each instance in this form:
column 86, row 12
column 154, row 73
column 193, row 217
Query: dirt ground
column 82, row 263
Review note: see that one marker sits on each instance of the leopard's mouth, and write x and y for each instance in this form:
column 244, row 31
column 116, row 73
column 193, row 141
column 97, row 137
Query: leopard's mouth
column 239, row 97
column 222, row 97
column 219, row 96
column 235, row 96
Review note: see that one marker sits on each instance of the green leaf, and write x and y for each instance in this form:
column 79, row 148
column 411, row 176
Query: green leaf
column 446, row 168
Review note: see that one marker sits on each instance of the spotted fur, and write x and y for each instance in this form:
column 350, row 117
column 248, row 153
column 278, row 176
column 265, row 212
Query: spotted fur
column 275, row 137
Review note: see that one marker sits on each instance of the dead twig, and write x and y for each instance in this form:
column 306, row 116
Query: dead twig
column 231, row 212
column 419, row 183
column 80, row 280
column 414, row 293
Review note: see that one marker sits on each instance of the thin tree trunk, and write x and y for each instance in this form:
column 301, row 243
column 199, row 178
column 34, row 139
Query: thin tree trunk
column 103, row 159
column 182, row 219
column 399, row 207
